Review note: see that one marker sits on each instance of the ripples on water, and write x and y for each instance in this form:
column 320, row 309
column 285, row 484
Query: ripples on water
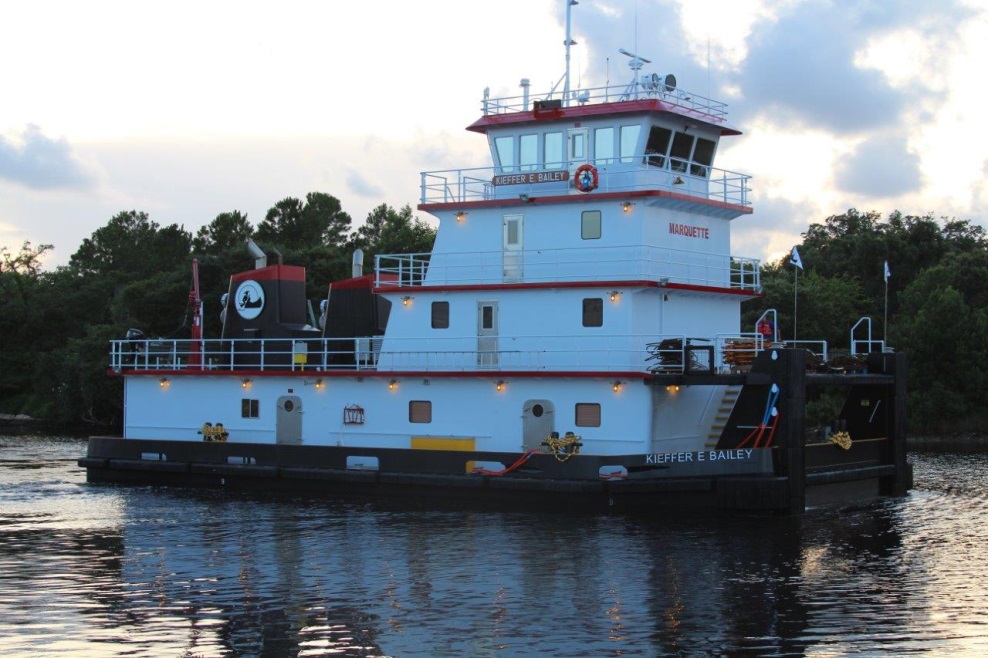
column 115, row 571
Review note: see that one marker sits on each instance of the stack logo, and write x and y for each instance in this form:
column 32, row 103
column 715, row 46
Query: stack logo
column 249, row 300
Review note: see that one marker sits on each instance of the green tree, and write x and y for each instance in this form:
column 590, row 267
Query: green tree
column 131, row 246
column 230, row 230
column 292, row 224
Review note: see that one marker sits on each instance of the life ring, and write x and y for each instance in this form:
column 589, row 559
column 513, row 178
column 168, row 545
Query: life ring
column 586, row 178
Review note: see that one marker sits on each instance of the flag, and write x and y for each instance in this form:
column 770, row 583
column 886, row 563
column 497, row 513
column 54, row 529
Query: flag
column 888, row 272
column 796, row 260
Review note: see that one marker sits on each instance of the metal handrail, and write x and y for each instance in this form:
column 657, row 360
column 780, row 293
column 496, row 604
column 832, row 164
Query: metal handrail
column 663, row 265
column 636, row 173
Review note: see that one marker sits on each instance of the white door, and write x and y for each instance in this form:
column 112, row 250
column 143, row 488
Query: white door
column 288, row 428
column 538, row 422
column 514, row 263
column 487, row 334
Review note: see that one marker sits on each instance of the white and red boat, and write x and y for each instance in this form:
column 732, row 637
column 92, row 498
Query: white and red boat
column 574, row 337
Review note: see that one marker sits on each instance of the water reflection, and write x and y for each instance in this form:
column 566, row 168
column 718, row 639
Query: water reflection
column 149, row 572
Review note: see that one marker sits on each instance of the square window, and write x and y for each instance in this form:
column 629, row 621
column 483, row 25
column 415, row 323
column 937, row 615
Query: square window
column 593, row 312
column 590, row 225
column 440, row 315
column 249, row 408
column 587, row 414
column 420, row 411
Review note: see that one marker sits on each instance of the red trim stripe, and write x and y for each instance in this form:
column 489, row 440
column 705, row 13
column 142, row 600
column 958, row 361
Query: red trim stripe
column 273, row 273
column 586, row 198
column 569, row 285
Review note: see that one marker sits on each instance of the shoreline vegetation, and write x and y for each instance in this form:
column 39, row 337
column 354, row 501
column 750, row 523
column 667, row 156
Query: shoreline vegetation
column 921, row 281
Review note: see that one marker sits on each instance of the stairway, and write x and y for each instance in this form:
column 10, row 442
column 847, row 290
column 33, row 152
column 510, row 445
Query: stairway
column 723, row 414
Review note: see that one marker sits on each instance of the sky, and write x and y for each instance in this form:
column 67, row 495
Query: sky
column 186, row 110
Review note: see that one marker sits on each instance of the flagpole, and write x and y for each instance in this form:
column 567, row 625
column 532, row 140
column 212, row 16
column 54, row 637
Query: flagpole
column 885, row 328
column 795, row 298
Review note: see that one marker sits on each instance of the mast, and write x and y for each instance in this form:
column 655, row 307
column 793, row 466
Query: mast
column 568, row 42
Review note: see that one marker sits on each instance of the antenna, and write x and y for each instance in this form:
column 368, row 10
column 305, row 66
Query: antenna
column 568, row 42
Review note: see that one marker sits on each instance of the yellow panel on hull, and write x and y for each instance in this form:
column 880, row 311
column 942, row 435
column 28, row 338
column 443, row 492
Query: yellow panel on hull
column 443, row 443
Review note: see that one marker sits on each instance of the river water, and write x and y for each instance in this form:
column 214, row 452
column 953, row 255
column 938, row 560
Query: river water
column 102, row 570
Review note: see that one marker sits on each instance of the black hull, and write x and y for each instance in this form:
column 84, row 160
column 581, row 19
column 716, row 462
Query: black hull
column 543, row 483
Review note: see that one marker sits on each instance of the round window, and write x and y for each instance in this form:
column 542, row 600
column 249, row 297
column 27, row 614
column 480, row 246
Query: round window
column 537, row 411
column 289, row 405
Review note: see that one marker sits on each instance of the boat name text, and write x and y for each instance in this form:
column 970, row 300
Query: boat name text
column 690, row 231
column 702, row 456
column 533, row 177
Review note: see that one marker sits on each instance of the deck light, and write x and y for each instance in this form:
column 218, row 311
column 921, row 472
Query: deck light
column 499, row 385
column 615, row 295
column 627, row 206
column 320, row 384
column 392, row 385
column 163, row 382
column 245, row 382
column 616, row 386
column 406, row 300
column 460, row 216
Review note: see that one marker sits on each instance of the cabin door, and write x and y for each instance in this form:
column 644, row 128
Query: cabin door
column 487, row 334
column 288, row 428
column 537, row 422
column 513, row 245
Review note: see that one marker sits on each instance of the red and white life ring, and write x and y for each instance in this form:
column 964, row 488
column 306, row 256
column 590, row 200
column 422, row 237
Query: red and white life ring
column 586, row 178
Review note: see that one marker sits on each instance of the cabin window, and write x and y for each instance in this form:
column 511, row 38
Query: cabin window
column 629, row 142
column 553, row 150
column 587, row 414
column 603, row 145
column 420, row 411
column 657, row 146
column 505, row 152
column 249, row 408
column 590, row 225
column 682, row 148
column 593, row 312
column 703, row 156
column 528, row 152
column 440, row 315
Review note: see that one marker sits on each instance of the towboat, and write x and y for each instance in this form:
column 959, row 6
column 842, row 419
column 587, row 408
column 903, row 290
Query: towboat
column 573, row 340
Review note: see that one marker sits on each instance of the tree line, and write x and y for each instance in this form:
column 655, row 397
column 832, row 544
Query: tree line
column 56, row 325
column 133, row 273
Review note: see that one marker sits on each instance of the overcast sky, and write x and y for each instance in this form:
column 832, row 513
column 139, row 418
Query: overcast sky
column 189, row 109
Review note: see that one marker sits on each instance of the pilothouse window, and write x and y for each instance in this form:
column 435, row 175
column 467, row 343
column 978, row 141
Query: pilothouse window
column 703, row 157
column 682, row 147
column 528, row 152
column 629, row 142
column 553, row 146
column 603, row 145
column 657, row 146
column 505, row 153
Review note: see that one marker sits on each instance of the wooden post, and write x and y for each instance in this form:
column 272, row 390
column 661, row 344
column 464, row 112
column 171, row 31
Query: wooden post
column 897, row 365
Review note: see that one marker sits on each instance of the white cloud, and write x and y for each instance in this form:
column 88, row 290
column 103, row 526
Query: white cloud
column 194, row 109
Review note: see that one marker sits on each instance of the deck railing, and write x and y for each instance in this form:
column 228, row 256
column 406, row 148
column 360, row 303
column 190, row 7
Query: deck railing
column 656, row 354
column 685, row 101
column 638, row 173
column 659, row 264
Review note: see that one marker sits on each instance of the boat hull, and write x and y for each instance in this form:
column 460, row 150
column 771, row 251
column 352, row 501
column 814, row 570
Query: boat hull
column 726, row 480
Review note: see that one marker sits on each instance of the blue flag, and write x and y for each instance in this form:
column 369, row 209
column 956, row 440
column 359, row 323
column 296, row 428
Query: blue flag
column 888, row 272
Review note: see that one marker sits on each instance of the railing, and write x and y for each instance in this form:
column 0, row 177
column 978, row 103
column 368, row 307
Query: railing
column 659, row 264
column 669, row 353
column 638, row 173
column 688, row 102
